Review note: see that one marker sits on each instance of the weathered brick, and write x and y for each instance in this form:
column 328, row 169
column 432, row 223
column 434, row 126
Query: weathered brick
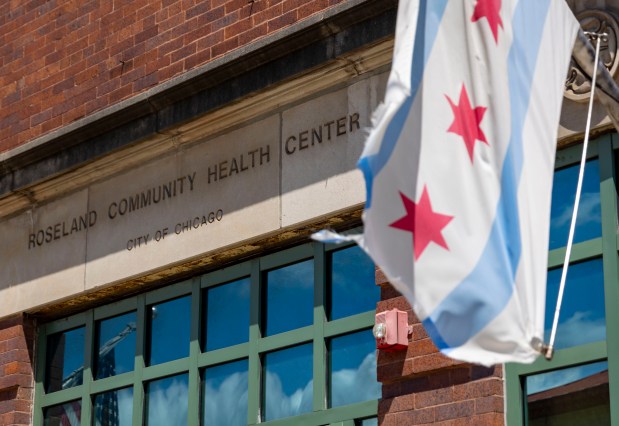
column 387, row 420
column 403, row 403
column 309, row 8
column 432, row 362
column 226, row 46
column 433, row 397
column 237, row 28
column 489, row 404
column 390, row 372
column 417, row 417
column 282, row 21
column 455, row 410
column 395, row 303
column 48, row 46
column 479, row 388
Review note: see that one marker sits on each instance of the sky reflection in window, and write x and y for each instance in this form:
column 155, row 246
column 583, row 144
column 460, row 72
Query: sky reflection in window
column 65, row 360
column 588, row 222
column 582, row 318
column 352, row 284
column 353, row 369
column 287, row 382
column 224, row 394
column 289, row 293
column 169, row 330
column 115, row 346
column 166, row 401
column 227, row 304
column 114, row 408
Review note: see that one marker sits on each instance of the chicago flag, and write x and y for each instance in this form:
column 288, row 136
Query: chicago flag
column 459, row 167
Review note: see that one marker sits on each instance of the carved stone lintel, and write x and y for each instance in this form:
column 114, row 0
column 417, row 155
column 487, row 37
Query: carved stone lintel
column 577, row 84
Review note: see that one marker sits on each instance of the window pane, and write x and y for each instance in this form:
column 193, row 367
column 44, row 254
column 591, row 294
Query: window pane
column 570, row 397
column 289, row 297
column 288, row 382
column 367, row 422
column 588, row 222
column 227, row 314
column 114, row 408
column 353, row 289
column 65, row 360
column 169, row 330
column 353, row 369
column 582, row 319
column 69, row 413
column 224, row 394
column 115, row 346
column 166, row 401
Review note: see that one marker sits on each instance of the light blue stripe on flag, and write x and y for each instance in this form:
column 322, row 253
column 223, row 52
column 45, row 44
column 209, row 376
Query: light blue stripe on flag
column 481, row 296
column 430, row 17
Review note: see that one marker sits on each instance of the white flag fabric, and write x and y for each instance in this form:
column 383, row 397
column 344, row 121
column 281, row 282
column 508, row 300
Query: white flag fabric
column 459, row 168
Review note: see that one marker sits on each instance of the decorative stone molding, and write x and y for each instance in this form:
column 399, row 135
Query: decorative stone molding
column 577, row 85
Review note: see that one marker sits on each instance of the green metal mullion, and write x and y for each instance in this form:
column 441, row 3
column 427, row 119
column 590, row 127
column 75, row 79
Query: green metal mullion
column 514, row 396
column 62, row 396
column 515, row 375
column 230, row 273
column 580, row 251
column 170, row 368
column 193, row 405
column 220, row 356
column 578, row 355
column 110, row 383
column 289, row 338
column 39, row 386
column 350, row 324
column 117, row 308
column 138, row 368
column 320, row 317
column 255, row 365
column 292, row 255
column 167, row 293
column 571, row 156
column 87, row 374
column 333, row 415
column 66, row 324
column 608, row 200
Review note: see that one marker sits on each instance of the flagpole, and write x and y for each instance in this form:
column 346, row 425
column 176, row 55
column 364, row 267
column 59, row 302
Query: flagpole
column 549, row 349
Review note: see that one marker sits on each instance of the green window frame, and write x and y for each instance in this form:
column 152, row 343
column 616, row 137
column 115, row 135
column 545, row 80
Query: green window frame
column 318, row 333
column 605, row 247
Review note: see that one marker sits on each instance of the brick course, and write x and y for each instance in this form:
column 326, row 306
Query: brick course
column 61, row 61
column 17, row 336
column 423, row 387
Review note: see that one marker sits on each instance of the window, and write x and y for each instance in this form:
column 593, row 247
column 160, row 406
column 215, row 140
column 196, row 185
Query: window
column 573, row 388
column 283, row 339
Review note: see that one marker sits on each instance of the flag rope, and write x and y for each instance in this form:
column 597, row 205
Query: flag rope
column 549, row 349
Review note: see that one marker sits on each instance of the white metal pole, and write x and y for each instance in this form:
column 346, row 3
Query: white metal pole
column 550, row 348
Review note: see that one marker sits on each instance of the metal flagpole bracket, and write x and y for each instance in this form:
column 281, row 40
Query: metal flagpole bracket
column 543, row 348
column 594, row 36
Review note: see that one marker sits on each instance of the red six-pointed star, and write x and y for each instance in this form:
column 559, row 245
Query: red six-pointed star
column 425, row 224
column 489, row 9
column 467, row 121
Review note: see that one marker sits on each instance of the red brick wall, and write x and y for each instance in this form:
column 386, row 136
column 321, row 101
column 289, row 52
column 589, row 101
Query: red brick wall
column 423, row 387
column 61, row 60
column 16, row 372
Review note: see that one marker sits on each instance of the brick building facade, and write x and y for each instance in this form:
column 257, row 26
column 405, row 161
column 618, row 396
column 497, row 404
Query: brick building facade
column 111, row 102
